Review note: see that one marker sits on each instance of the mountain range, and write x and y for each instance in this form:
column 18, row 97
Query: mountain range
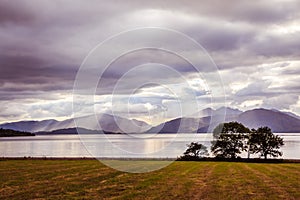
column 108, row 123
column 201, row 122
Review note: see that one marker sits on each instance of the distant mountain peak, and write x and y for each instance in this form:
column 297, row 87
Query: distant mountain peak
column 105, row 121
column 277, row 120
column 207, row 109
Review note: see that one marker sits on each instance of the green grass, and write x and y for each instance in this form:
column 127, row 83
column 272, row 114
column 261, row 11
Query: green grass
column 89, row 179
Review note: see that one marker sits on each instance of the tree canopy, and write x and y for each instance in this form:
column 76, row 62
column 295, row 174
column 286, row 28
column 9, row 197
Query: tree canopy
column 264, row 142
column 230, row 127
column 230, row 139
column 195, row 151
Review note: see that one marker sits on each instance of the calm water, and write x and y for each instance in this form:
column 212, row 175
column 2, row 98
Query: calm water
column 151, row 146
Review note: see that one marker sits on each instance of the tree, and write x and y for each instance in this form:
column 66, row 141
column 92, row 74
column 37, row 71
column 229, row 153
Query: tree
column 230, row 139
column 195, row 151
column 228, row 145
column 263, row 141
column 230, row 127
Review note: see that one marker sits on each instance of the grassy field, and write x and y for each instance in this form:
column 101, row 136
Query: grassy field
column 89, row 179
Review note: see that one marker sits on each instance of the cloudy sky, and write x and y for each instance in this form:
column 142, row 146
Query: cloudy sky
column 43, row 44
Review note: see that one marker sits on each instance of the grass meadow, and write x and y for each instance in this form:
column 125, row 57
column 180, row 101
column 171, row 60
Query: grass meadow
column 89, row 179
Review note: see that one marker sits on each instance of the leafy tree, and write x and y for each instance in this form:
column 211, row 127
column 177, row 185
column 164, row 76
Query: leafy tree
column 228, row 145
column 263, row 141
column 195, row 151
column 230, row 139
column 230, row 127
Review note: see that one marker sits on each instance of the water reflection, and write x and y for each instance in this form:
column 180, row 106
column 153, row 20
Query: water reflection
column 119, row 146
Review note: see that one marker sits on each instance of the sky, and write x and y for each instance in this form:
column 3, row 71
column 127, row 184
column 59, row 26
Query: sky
column 250, row 48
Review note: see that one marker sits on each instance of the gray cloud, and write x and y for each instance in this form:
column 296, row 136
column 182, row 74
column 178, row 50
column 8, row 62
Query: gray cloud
column 277, row 45
column 10, row 12
column 44, row 42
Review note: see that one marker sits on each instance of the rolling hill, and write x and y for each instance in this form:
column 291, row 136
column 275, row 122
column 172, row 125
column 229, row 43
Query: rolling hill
column 108, row 123
column 279, row 122
column 209, row 118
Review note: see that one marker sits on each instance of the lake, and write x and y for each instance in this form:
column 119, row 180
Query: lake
column 119, row 146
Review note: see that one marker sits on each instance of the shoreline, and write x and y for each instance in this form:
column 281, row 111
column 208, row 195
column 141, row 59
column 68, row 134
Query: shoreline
column 246, row 160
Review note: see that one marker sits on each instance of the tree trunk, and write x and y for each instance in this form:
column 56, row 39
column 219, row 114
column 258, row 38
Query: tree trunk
column 249, row 152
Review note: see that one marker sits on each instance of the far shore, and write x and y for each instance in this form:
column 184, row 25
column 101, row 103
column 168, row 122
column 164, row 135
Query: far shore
column 250, row 160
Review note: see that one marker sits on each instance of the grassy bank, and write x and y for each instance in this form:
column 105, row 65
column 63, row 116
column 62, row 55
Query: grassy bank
column 89, row 179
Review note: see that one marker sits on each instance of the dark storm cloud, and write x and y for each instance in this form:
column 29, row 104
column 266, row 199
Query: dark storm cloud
column 65, row 20
column 42, row 43
column 220, row 35
column 26, row 94
column 24, row 70
column 277, row 46
column 10, row 12
column 133, row 59
column 53, row 13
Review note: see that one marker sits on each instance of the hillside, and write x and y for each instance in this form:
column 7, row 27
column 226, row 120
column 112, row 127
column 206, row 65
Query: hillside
column 180, row 125
column 108, row 123
column 12, row 133
column 74, row 131
column 278, row 121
